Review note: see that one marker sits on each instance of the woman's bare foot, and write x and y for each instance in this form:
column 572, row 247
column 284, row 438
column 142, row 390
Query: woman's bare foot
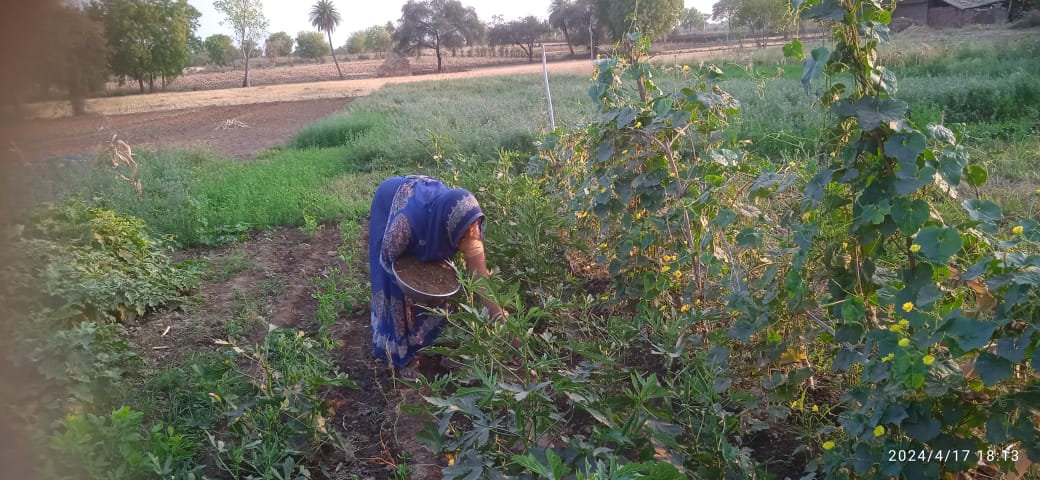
column 410, row 371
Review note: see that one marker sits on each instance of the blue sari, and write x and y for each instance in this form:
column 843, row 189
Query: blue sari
column 411, row 216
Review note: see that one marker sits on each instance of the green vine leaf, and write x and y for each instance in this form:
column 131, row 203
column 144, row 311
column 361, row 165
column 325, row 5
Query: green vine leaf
column 827, row 10
column 938, row 244
column 872, row 112
column 992, row 369
column 985, row 212
column 794, row 50
column 909, row 215
column 970, row 334
column 952, row 162
column 905, row 148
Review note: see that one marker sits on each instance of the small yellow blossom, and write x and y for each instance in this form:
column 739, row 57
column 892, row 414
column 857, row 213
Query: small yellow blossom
column 816, row 408
column 665, row 269
column 1017, row 230
column 828, row 445
column 895, row 328
column 928, row 360
column 639, row 215
column 904, row 323
column 908, row 306
column 686, row 68
column 602, row 245
column 677, row 274
column 915, row 248
column 604, row 297
column 639, row 124
column 684, row 308
column 904, row 342
column 844, row 245
column 888, row 358
column 879, row 431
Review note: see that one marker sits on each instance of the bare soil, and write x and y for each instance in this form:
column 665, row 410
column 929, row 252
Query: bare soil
column 237, row 131
column 265, row 283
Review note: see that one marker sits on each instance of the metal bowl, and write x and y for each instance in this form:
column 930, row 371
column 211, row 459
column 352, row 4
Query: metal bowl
column 421, row 297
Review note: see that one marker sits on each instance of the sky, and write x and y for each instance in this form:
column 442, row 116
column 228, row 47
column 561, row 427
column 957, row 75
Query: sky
column 290, row 16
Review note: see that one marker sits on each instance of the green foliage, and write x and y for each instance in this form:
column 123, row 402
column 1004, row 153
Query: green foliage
column 77, row 263
column 248, row 25
column 759, row 16
column 147, row 39
column 278, row 44
column 220, row 49
column 436, row 25
column 311, row 45
column 280, row 419
column 523, row 33
column 84, row 365
column 114, row 447
column 907, row 317
column 652, row 18
column 377, row 39
column 357, row 43
column 325, row 18
column 573, row 19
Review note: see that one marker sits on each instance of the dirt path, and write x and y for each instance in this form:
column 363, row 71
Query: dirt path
column 266, row 282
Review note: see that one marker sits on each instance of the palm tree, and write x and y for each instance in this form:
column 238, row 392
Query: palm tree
column 325, row 18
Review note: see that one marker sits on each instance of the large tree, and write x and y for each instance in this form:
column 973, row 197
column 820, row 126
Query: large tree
column 78, row 57
column 653, row 18
column 247, row 22
column 377, row 38
column 278, row 45
column 147, row 39
column 758, row 16
column 523, row 33
column 436, row 24
column 311, row 45
column 325, row 18
column 220, row 49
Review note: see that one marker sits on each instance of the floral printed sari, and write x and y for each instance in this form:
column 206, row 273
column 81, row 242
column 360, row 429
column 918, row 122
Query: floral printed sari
column 411, row 216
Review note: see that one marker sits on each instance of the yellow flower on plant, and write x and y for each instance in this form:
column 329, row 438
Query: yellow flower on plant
column 828, row 445
column 816, row 408
column 879, row 431
column 908, row 306
column 639, row 124
column 904, row 342
column 677, row 274
column 1018, row 230
column 665, row 269
column 686, row 68
column 928, row 360
column 685, row 308
column 904, row 323
column 915, row 248
column 895, row 328
column 888, row 358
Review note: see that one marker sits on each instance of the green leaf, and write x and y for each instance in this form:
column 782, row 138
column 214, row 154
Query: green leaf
column 941, row 133
column 920, row 425
column 1013, row 349
column 853, row 310
column 952, row 161
column 983, row 210
column 813, row 66
column 905, row 148
column 992, row 369
column 975, row 175
column 909, row 214
column 724, row 218
column 749, row 238
column 872, row 112
column 938, row 244
column 794, row 50
column 910, row 178
column 826, row 10
column 971, row 334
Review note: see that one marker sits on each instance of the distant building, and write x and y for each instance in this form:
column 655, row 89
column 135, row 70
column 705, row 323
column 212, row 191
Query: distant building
column 951, row 13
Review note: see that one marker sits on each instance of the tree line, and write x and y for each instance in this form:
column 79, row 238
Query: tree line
column 150, row 42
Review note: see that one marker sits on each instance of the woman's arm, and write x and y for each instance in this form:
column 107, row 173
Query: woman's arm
column 472, row 248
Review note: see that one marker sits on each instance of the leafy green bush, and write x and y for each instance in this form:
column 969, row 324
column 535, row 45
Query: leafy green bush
column 70, row 263
column 279, row 418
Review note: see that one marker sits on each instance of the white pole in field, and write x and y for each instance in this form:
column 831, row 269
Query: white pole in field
column 548, row 96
